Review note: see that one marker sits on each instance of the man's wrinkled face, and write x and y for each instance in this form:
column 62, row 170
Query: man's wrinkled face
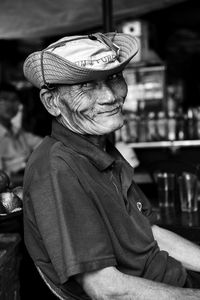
column 94, row 107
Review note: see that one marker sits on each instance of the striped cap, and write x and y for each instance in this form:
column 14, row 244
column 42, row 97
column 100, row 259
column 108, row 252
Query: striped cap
column 76, row 59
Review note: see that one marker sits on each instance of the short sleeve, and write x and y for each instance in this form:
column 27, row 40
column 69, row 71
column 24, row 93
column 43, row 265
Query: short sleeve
column 71, row 227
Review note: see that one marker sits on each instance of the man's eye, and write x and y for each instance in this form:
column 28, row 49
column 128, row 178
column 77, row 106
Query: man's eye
column 86, row 84
column 115, row 76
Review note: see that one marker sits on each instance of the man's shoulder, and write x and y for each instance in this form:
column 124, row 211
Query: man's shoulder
column 49, row 159
column 44, row 151
column 49, row 153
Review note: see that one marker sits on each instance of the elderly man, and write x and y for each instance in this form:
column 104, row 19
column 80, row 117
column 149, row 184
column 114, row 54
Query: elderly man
column 88, row 227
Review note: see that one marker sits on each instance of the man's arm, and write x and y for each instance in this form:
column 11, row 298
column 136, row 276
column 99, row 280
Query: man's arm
column 110, row 284
column 179, row 248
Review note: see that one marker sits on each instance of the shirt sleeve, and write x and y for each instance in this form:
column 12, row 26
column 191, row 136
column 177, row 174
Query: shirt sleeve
column 71, row 227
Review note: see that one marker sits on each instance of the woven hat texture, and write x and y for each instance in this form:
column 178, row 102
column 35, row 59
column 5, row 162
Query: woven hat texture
column 60, row 63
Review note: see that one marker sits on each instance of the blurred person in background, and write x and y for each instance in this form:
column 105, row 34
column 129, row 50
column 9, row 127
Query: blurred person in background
column 16, row 144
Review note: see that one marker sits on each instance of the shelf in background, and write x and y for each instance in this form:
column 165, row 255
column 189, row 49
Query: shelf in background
column 165, row 144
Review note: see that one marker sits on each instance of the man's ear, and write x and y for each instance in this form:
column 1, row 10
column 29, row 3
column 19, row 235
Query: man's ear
column 50, row 102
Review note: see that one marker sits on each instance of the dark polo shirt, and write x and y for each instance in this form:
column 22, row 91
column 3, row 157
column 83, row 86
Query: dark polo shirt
column 83, row 212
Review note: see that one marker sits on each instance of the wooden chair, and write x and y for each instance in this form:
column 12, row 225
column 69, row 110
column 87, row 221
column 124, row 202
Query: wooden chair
column 60, row 294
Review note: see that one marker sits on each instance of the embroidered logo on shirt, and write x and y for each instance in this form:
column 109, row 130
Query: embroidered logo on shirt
column 139, row 206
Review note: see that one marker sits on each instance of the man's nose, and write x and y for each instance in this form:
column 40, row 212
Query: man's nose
column 108, row 94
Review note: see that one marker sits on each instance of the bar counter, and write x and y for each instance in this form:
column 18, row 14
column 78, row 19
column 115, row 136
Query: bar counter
column 183, row 223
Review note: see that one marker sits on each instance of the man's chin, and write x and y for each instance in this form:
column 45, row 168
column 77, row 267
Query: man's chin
column 110, row 128
column 102, row 126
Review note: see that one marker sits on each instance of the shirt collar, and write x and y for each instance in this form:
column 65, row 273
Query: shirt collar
column 102, row 160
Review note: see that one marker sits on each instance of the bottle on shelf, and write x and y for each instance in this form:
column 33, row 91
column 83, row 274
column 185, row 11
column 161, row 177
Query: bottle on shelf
column 190, row 125
column 152, row 134
column 198, row 123
column 171, row 128
column 180, row 129
column 132, row 127
column 142, row 128
column 142, row 122
column 162, row 126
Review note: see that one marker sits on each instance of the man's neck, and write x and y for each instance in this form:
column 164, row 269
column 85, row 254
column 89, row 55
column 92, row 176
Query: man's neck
column 98, row 140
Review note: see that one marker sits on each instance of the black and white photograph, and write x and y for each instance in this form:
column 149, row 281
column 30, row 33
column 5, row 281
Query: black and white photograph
column 100, row 150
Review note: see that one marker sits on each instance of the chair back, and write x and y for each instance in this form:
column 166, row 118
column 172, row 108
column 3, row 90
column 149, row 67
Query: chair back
column 60, row 294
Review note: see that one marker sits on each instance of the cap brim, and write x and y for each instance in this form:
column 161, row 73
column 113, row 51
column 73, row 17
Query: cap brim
column 57, row 70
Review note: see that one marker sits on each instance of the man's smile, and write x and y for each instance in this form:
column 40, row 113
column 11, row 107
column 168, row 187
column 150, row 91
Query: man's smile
column 112, row 111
